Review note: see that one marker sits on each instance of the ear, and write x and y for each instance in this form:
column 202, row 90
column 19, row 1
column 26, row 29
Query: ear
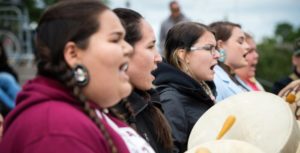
column 220, row 44
column 71, row 54
column 181, row 53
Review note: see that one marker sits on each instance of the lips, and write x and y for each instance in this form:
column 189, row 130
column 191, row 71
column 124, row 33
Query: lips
column 245, row 54
column 212, row 67
column 123, row 67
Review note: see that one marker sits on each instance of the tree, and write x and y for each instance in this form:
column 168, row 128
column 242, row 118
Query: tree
column 275, row 54
column 286, row 32
column 36, row 7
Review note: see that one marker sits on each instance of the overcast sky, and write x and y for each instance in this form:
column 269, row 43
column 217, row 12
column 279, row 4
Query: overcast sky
column 258, row 17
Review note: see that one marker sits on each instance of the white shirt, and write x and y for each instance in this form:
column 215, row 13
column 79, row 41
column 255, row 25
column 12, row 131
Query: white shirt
column 134, row 142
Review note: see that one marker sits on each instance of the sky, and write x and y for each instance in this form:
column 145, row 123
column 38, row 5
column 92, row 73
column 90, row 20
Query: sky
column 257, row 17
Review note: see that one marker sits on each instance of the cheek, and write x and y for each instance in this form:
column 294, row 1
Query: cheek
column 201, row 64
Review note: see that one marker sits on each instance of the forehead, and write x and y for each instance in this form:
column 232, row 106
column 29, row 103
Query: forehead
column 146, row 29
column 237, row 32
column 207, row 37
column 109, row 22
column 174, row 5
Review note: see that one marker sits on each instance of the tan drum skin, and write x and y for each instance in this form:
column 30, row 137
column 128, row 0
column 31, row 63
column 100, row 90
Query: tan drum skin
column 262, row 119
column 226, row 146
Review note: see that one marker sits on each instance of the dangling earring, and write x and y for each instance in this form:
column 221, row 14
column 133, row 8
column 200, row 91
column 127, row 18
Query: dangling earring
column 222, row 55
column 81, row 75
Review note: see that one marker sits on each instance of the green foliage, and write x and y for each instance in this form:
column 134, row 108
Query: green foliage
column 276, row 53
column 35, row 12
column 286, row 32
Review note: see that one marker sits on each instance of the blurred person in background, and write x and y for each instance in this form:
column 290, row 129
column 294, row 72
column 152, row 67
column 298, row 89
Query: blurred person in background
column 175, row 17
column 9, row 86
column 247, row 73
column 295, row 75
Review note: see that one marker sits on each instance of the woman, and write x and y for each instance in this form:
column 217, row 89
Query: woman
column 185, row 96
column 247, row 73
column 82, row 61
column 232, row 44
column 146, row 116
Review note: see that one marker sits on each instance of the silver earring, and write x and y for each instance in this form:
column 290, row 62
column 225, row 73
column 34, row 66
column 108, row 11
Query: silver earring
column 81, row 75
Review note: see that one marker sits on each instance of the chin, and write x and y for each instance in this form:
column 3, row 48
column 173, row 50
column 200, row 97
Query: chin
column 126, row 90
column 144, row 87
column 210, row 79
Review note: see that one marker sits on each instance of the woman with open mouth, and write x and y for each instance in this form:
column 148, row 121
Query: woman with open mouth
column 82, row 62
column 232, row 45
column 181, row 81
column 142, row 109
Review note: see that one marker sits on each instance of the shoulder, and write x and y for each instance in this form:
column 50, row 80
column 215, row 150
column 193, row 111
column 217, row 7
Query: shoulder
column 280, row 84
column 56, row 118
column 51, row 123
column 169, row 93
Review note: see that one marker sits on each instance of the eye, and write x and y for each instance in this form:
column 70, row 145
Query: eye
column 115, row 40
column 240, row 41
column 209, row 47
column 150, row 46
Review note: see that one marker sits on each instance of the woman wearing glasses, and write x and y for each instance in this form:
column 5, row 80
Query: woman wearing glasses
column 181, row 81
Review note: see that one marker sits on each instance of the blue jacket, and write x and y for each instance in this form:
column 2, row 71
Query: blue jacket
column 225, row 86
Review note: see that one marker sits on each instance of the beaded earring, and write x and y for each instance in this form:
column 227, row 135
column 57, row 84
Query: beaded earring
column 81, row 75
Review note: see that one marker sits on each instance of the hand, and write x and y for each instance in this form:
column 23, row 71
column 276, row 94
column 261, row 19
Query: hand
column 290, row 87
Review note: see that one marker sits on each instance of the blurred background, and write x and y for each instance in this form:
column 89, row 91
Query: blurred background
column 274, row 24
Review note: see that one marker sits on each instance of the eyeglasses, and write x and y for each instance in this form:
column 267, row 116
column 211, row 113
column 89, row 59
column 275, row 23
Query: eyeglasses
column 210, row 48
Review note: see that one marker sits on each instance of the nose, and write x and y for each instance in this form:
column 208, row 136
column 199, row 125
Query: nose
column 216, row 54
column 127, row 48
column 157, row 57
column 246, row 47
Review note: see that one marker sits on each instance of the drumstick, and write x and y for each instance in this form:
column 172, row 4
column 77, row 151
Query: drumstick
column 226, row 126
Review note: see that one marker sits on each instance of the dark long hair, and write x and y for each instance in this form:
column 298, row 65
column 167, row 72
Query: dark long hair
column 131, row 21
column 68, row 21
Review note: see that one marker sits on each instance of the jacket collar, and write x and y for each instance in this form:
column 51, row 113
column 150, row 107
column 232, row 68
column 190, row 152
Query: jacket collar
column 140, row 100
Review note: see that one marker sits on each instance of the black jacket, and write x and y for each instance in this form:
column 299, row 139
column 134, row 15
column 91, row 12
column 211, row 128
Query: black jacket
column 183, row 101
column 280, row 84
column 140, row 102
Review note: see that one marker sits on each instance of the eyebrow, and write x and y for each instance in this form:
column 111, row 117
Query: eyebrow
column 151, row 42
column 118, row 33
column 242, row 38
